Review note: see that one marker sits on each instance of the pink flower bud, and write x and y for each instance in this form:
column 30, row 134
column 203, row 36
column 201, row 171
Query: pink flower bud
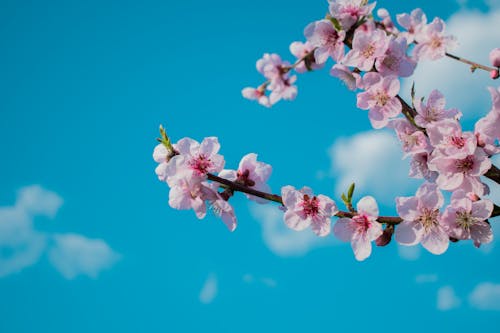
column 473, row 196
column 494, row 74
column 495, row 58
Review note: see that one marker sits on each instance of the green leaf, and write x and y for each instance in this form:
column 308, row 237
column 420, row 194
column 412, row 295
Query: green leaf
column 350, row 192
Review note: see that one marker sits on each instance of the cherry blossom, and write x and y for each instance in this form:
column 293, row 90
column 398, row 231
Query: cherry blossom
column 413, row 140
column 461, row 172
column 495, row 57
column 433, row 110
column 432, row 43
column 304, row 209
column 302, row 51
column 380, row 98
column 350, row 78
column 257, row 94
column 348, row 12
column 413, row 23
column 395, row 61
column 250, row 173
column 447, row 136
column 422, row 220
column 194, row 159
column 487, row 129
column 327, row 41
column 466, row 219
column 366, row 48
column 387, row 21
column 162, row 156
column 361, row 229
column 420, row 169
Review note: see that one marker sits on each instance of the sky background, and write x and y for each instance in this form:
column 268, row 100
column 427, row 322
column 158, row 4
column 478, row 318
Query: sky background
column 88, row 242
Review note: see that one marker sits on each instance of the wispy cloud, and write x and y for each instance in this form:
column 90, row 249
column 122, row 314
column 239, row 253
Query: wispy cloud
column 281, row 240
column 74, row 255
column 209, row 290
column 477, row 34
column 486, row 296
column 373, row 161
column 21, row 245
column 410, row 253
column 426, row 278
column 266, row 281
column 447, row 299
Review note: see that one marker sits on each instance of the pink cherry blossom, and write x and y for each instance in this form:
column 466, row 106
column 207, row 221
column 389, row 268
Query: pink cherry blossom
column 466, row 219
column 387, row 21
column 257, row 94
column 282, row 88
column 270, row 65
column 161, row 155
column 462, row 172
column 348, row 12
column 447, row 136
column 395, row 61
column 495, row 57
column 250, row 173
column 487, row 129
column 413, row 23
column 433, row 110
column 304, row 209
column 366, row 48
column 432, row 43
column 413, row 140
column 422, row 220
column 420, row 169
column 380, row 98
column 327, row 41
column 301, row 51
column 190, row 193
column 350, row 78
column 361, row 229
column 194, row 159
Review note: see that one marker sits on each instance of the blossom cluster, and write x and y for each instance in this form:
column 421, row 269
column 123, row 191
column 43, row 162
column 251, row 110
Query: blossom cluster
column 370, row 56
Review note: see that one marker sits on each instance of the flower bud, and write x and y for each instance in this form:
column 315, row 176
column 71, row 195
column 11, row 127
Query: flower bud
column 386, row 236
column 495, row 57
column 494, row 74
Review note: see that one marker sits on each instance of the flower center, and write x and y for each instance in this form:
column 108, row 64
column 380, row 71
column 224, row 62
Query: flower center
column 362, row 223
column 381, row 98
column 369, row 51
column 457, row 141
column 429, row 218
column 465, row 165
column 201, row 164
column 310, row 205
column 465, row 220
column 436, row 43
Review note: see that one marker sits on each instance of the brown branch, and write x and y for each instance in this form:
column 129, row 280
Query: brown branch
column 276, row 198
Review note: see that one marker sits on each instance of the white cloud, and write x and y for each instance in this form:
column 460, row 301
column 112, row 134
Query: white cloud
column 209, row 290
column 447, row 299
column 373, row 161
column 426, row 278
column 21, row 245
column 35, row 200
column 266, row 281
column 410, row 253
column 486, row 296
column 477, row 34
column 74, row 255
column 280, row 239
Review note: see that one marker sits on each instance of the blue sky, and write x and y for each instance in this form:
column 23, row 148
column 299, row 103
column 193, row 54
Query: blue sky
column 87, row 239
